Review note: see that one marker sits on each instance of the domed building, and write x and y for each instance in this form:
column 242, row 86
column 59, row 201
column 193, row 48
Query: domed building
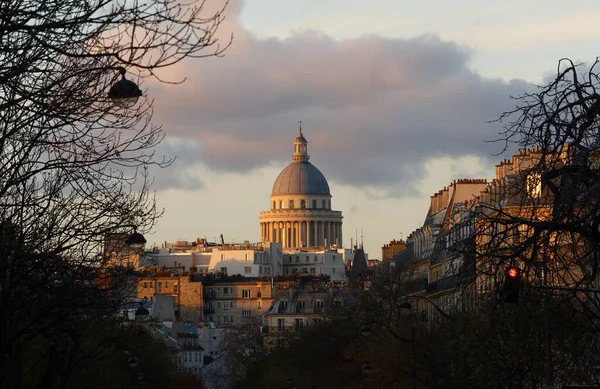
column 301, row 216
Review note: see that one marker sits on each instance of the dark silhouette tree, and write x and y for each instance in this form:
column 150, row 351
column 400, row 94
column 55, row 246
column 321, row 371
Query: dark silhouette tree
column 75, row 165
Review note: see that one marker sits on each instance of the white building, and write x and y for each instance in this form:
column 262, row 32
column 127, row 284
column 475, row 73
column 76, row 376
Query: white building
column 249, row 260
column 323, row 262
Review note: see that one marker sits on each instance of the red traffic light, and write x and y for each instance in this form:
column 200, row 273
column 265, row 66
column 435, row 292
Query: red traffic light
column 512, row 272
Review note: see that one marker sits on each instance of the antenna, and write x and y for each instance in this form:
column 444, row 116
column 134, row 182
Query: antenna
column 361, row 238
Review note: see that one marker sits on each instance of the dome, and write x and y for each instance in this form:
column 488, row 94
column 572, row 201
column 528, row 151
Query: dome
column 300, row 178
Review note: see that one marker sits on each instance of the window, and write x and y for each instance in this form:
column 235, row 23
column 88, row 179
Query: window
column 231, row 304
column 248, row 270
column 323, row 204
column 175, row 288
column 333, row 270
column 166, row 284
column 246, row 313
column 304, row 270
column 297, row 258
column 283, row 306
column 225, row 319
column 151, row 284
column 329, row 204
column 145, row 285
column 302, row 204
column 307, row 259
column 159, row 287
column 222, row 257
column 291, row 204
column 318, row 306
column 534, row 185
column 281, row 204
column 258, row 294
column 316, row 258
column 294, row 270
column 314, row 203
column 219, row 290
column 300, row 306
column 299, row 323
column 225, row 290
column 313, row 270
column 224, row 270
column 260, row 270
column 218, row 305
column 274, row 205
column 258, row 305
column 280, row 324
column 246, row 293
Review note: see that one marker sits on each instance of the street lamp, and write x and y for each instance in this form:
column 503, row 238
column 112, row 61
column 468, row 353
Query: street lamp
column 365, row 331
column 133, row 362
column 125, row 93
column 405, row 307
column 135, row 240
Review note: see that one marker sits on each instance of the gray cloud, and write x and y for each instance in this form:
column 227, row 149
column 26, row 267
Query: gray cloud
column 374, row 109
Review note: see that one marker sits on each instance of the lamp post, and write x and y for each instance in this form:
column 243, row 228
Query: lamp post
column 405, row 308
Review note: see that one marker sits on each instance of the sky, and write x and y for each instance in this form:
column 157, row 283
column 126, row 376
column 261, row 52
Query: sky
column 395, row 99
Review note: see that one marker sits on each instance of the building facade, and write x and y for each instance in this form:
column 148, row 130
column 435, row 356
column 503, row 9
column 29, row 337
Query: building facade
column 230, row 303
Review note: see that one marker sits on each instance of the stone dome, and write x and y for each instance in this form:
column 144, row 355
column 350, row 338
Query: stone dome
column 301, row 178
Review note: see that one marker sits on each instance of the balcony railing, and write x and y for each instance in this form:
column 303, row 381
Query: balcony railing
column 282, row 329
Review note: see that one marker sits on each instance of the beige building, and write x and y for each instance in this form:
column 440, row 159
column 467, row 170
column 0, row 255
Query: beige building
column 231, row 303
column 301, row 215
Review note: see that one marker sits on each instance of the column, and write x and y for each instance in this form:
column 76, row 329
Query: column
column 340, row 229
column 326, row 238
column 298, row 234
column 306, row 233
column 285, row 235
column 314, row 234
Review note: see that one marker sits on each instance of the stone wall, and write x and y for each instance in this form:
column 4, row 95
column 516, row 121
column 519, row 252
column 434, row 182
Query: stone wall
column 190, row 300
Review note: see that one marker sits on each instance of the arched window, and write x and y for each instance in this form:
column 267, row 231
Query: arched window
column 281, row 204
column 323, row 204
column 302, row 204
column 274, row 205
column 291, row 204
column 314, row 204
column 328, row 204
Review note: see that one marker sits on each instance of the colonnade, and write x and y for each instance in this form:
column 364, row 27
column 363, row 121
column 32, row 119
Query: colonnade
column 298, row 234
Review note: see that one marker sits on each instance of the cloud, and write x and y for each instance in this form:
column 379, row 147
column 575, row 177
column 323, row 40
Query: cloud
column 374, row 109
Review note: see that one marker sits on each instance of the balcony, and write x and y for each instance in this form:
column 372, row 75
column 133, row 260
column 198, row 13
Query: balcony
column 208, row 310
column 281, row 329
column 432, row 287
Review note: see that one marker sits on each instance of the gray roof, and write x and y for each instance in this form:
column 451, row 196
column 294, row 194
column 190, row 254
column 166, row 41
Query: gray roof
column 300, row 178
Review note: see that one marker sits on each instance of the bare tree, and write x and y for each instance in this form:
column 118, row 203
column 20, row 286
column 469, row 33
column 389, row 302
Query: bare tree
column 74, row 165
column 542, row 213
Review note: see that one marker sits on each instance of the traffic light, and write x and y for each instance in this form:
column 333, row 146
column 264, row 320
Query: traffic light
column 512, row 285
